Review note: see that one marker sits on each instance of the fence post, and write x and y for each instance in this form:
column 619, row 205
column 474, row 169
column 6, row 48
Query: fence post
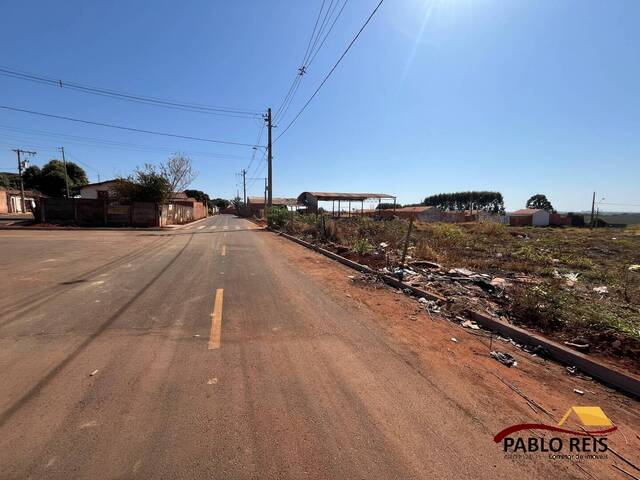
column 404, row 248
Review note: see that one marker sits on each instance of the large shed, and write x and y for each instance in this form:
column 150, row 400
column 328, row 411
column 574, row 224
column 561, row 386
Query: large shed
column 311, row 199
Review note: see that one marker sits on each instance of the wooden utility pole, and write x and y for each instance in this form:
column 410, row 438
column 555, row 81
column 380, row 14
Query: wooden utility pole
column 66, row 177
column 269, row 160
column 244, row 185
column 21, row 164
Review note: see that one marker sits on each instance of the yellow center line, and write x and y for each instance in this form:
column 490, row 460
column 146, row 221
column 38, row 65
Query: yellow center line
column 224, row 250
column 216, row 321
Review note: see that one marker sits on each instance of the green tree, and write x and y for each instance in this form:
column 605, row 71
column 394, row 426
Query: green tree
column 144, row 185
column 540, row 201
column 9, row 180
column 221, row 203
column 387, row 206
column 50, row 180
column 31, row 177
column 476, row 200
column 199, row 195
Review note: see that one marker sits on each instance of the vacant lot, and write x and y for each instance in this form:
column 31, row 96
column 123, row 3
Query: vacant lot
column 577, row 285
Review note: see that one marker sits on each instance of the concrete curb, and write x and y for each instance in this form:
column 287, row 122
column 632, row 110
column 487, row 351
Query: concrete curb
column 394, row 282
column 625, row 382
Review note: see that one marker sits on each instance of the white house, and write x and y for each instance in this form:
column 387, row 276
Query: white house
column 98, row 190
column 529, row 216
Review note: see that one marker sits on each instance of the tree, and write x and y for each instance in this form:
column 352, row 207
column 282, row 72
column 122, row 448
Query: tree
column 50, row 180
column 31, row 177
column 474, row 200
column 387, row 206
column 9, row 180
column 540, row 201
column 237, row 204
column 178, row 171
column 221, row 203
column 144, row 185
column 199, row 195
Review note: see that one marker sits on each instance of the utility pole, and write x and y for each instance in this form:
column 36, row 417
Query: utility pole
column 593, row 207
column 66, row 177
column 269, row 160
column 266, row 187
column 244, row 185
column 21, row 165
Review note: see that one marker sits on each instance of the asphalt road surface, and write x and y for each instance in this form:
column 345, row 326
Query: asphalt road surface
column 205, row 352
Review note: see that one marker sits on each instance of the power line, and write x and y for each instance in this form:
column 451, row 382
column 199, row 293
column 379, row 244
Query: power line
column 131, row 129
column 101, row 142
column 159, row 102
column 304, row 107
column 327, row 34
column 313, row 48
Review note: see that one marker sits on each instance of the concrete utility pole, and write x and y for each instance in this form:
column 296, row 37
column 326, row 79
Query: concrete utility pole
column 593, row 207
column 269, row 160
column 66, row 177
column 244, row 185
column 21, row 165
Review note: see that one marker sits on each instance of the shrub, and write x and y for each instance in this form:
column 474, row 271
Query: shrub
column 362, row 246
column 277, row 217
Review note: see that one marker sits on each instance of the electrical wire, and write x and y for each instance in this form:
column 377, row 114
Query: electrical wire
column 313, row 48
column 353, row 41
column 131, row 129
column 100, row 142
column 193, row 107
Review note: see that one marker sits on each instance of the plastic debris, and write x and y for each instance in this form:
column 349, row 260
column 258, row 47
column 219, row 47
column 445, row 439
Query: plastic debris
column 463, row 271
column 212, row 381
column 504, row 358
column 583, row 347
column 634, row 268
column 470, row 324
column 579, row 392
column 601, row 290
column 572, row 370
column 453, row 339
column 384, row 244
column 92, row 374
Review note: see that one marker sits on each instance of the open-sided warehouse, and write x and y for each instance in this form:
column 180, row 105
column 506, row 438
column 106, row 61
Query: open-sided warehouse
column 310, row 200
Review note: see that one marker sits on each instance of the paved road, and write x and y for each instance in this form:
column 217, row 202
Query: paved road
column 214, row 357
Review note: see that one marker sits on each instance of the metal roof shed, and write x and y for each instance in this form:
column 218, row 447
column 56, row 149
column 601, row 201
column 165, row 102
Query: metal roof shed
column 311, row 199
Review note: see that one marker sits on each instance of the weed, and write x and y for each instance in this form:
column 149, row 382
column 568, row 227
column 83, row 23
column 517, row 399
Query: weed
column 362, row 246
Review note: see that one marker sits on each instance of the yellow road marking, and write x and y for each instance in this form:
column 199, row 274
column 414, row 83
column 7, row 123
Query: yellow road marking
column 224, row 250
column 216, row 321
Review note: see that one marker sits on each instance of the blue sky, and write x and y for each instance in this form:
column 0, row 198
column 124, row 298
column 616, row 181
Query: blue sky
column 522, row 96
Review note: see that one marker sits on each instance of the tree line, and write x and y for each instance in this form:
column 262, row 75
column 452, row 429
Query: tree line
column 473, row 200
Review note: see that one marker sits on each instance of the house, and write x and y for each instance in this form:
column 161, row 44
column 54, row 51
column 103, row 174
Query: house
column 422, row 213
column 102, row 190
column 11, row 200
column 529, row 217
column 256, row 204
